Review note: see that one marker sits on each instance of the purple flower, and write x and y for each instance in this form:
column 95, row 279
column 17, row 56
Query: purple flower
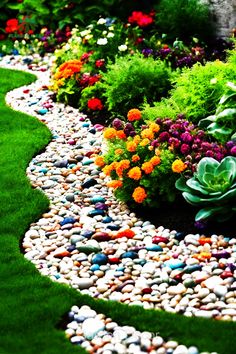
column 185, row 149
column 175, row 142
column 117, row 124
column 210, row 153
column 230, row 144
column 186, row 137
column 233, row 151
column 164, row 136
column 155, row 143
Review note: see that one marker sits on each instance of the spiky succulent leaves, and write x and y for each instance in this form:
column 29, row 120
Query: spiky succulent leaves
column 212, row 186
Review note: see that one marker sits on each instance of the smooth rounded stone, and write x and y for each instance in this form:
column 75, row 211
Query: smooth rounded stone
column 87, row 233
column 33, row 234
column 70, row 197
column 220, row 290
column 76, row 238
column 98, row 199
column 181, row 349
column 91, row 327
column 129, row 254
column 192, row 268
column 157, row 341
column 171, row 344
column 83, row 283
column 87, row 249
column 154, row 248
column 189, row 283
column 160, row 239
column 42, row 111
column 100, row 259
column 61, row 163
column 176, row 290
column 174, row 264
column 89, row 183
column 101, row 236
column 96, row 212
column 77, row 340
column 202, row 313
column 212, row 282
column 193, row 350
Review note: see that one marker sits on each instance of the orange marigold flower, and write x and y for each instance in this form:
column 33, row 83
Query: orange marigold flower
column 119, row 151
column 109, row 133
column 154, row 127
column 121, row 166
column 120, row 134
column 109, row 168
column 135, row 173
column 135, row 158
column 139, row 194
column 136, row 139
column 131, row 146
column 147, row 167
column 134, row 114
column 147, row 133
column 155, row 160
column 144, row 142
column 115, row 184
column 99, row 161
column 68, row 69
column 178, row 166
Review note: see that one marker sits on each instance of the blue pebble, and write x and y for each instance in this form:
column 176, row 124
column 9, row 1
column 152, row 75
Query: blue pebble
column 92, row 131
column 98, row 199
column 85, row 125
column 179, row 236
column 43, row 170
column 121, row 269
column 42, row 111
column 96, row 212
column 71, row 248
column 174, row 264
column 94, row 267
column 32, row 103
column 15, row 52
column 87, row 162
column 130, row 254
column 67, row 221
column 79, row 318
column 113, row 227
column 107, row 219
column 154, row 248
column 87, row 233
column 57, row 276
column 100, row 258
column 71, row 165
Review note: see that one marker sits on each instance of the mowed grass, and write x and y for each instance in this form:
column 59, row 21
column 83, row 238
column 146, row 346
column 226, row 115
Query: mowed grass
column 32, row 306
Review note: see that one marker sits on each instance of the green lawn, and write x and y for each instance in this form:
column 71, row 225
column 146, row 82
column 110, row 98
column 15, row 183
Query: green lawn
column 32, row 306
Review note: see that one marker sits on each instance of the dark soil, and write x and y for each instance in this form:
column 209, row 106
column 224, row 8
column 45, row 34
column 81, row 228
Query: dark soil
column 180, row 217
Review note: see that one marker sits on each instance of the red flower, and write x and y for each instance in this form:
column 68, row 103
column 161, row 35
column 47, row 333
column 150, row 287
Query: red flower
column 95, row 104
column 12, row 25
column 99, row 63
column 141, row 19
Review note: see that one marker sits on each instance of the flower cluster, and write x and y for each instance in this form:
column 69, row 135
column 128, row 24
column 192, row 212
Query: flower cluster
column 145, row 159
column 95, row 104
column 141, row 19
column 68, row 69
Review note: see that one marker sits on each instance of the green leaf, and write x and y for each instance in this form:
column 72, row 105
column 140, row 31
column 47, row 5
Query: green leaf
column 180, row 184
column 206, row 121
column 228, row 165
column 196, row 186
column 208, row 212
column 227, row 114
column 192, row 199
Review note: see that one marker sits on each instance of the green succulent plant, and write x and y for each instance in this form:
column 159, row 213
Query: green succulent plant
column 213, row 187
column 222, row 125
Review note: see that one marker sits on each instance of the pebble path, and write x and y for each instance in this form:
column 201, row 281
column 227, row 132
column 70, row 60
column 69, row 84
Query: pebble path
column 93, row 243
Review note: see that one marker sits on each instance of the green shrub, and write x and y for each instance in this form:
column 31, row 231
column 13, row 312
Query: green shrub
column 196, row 91
column 133, row 80
column 184, row 19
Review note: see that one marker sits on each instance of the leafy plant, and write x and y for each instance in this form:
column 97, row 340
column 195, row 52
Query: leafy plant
column 133, row 80
column 184, row 19
column 212, row 187
column 222, row 125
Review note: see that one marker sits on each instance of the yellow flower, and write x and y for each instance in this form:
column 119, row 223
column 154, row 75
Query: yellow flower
column 136, row 139
column 154, row 127
column 131, row 146
column 144, row 142
column 121, row 166
column 178, row 166
column 147, row 133
column 109, row 133
column 119, row 151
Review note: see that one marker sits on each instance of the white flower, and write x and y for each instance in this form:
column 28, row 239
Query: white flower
column 110, row 35
column 122, row 47
column 111, row 28
column 66, row 46
column 213, row 81
column 88, row 37
column 104, row 32
column 102, row 41
column 101, row 21
column 84, row 33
